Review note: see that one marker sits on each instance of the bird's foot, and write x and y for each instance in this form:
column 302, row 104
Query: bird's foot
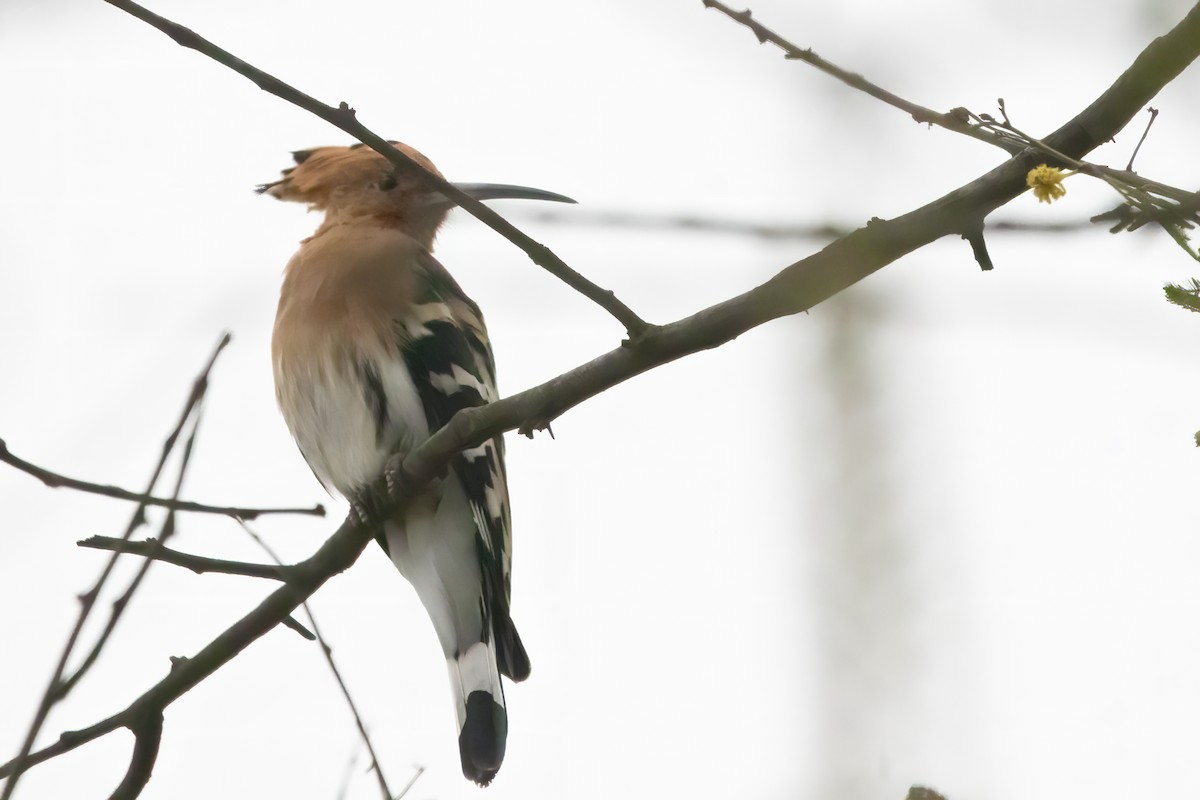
column 393, row 475
column 368, row 504
column 371, row 501
column 373, row 504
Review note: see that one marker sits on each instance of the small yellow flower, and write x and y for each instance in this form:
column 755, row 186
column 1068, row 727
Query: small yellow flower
column 1046, row 183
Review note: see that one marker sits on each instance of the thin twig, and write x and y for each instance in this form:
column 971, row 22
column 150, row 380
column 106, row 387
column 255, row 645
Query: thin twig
column 87, row 601
column 1143, row 200
column 327, row 651
column 1002, row 134
column 151, row 548
column 411, row 782
column 117, row 610
column 291, row 623
column 343, row 117
column 337, row 554
column 955, row 120
column 57, row 481
column 821, row 231
column 1119, row 179
column 1145, row 133
column 348, row 775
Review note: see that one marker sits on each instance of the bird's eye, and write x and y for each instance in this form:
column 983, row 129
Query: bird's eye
column 301, row 155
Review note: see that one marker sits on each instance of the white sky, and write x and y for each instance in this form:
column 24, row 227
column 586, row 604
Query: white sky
column 937, row 531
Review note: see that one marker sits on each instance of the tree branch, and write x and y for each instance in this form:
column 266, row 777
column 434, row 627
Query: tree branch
column 327, row 652
column 119, row 605
column 343, row 117
column 57, row 481
column 691, row 223
column 152, row 549
column 955, row 120
column 56, row 689
column 340, row 551
column 147, row 734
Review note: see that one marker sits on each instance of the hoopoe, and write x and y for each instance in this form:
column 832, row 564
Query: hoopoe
column 376, row 347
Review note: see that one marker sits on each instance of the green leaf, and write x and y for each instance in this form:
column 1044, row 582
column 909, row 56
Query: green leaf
column 1184, row 296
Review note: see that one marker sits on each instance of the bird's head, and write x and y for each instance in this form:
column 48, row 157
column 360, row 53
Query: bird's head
column 357, row 182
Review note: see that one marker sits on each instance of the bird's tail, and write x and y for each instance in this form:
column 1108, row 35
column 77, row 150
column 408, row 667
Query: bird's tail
column 473, row 627
column 482, row 718
column 479, row 699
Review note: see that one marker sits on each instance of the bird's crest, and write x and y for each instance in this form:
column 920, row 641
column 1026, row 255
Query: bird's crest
column 357, row 182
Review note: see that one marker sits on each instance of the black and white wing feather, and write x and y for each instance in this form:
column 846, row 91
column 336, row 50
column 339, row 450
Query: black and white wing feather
column 446, row 350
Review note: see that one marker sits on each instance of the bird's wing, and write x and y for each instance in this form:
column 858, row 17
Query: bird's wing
column 446, row 350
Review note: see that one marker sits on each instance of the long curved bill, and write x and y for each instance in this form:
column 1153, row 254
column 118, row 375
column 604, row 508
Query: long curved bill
column 502, row 191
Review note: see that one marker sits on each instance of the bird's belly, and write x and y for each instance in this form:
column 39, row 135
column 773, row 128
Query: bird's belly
column 346, row 424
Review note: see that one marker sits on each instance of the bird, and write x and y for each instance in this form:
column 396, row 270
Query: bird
column 375, row 347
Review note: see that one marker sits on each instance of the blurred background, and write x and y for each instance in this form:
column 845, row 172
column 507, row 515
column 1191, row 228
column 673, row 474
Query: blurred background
column 940, row 530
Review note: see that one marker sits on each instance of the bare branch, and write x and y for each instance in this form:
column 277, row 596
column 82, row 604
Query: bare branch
column 343, row 117
column 294, row 624
column 348, row 776
column 57, row 481
column 1153, row 116
column 336, row 555
column 955, row 120
column 147, row 734
column 411, row 782
column 153, row 549
column 327, row 651
column 821, row 231
column 119, row 605
column 57, row 689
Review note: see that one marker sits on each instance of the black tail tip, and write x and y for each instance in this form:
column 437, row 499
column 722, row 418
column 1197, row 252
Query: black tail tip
column 481, row 741
column 513, row 660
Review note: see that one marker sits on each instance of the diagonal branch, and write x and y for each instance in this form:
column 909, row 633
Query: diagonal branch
column 338, row 553
column 154, row 550
column 344, row 118
column 117, row 610
column 956, row 120
column 56, row 481
column 327, row 652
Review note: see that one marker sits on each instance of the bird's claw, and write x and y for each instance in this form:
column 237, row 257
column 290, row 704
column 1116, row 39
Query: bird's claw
column 366, row 506
column 393, row 475
column 369, row 504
